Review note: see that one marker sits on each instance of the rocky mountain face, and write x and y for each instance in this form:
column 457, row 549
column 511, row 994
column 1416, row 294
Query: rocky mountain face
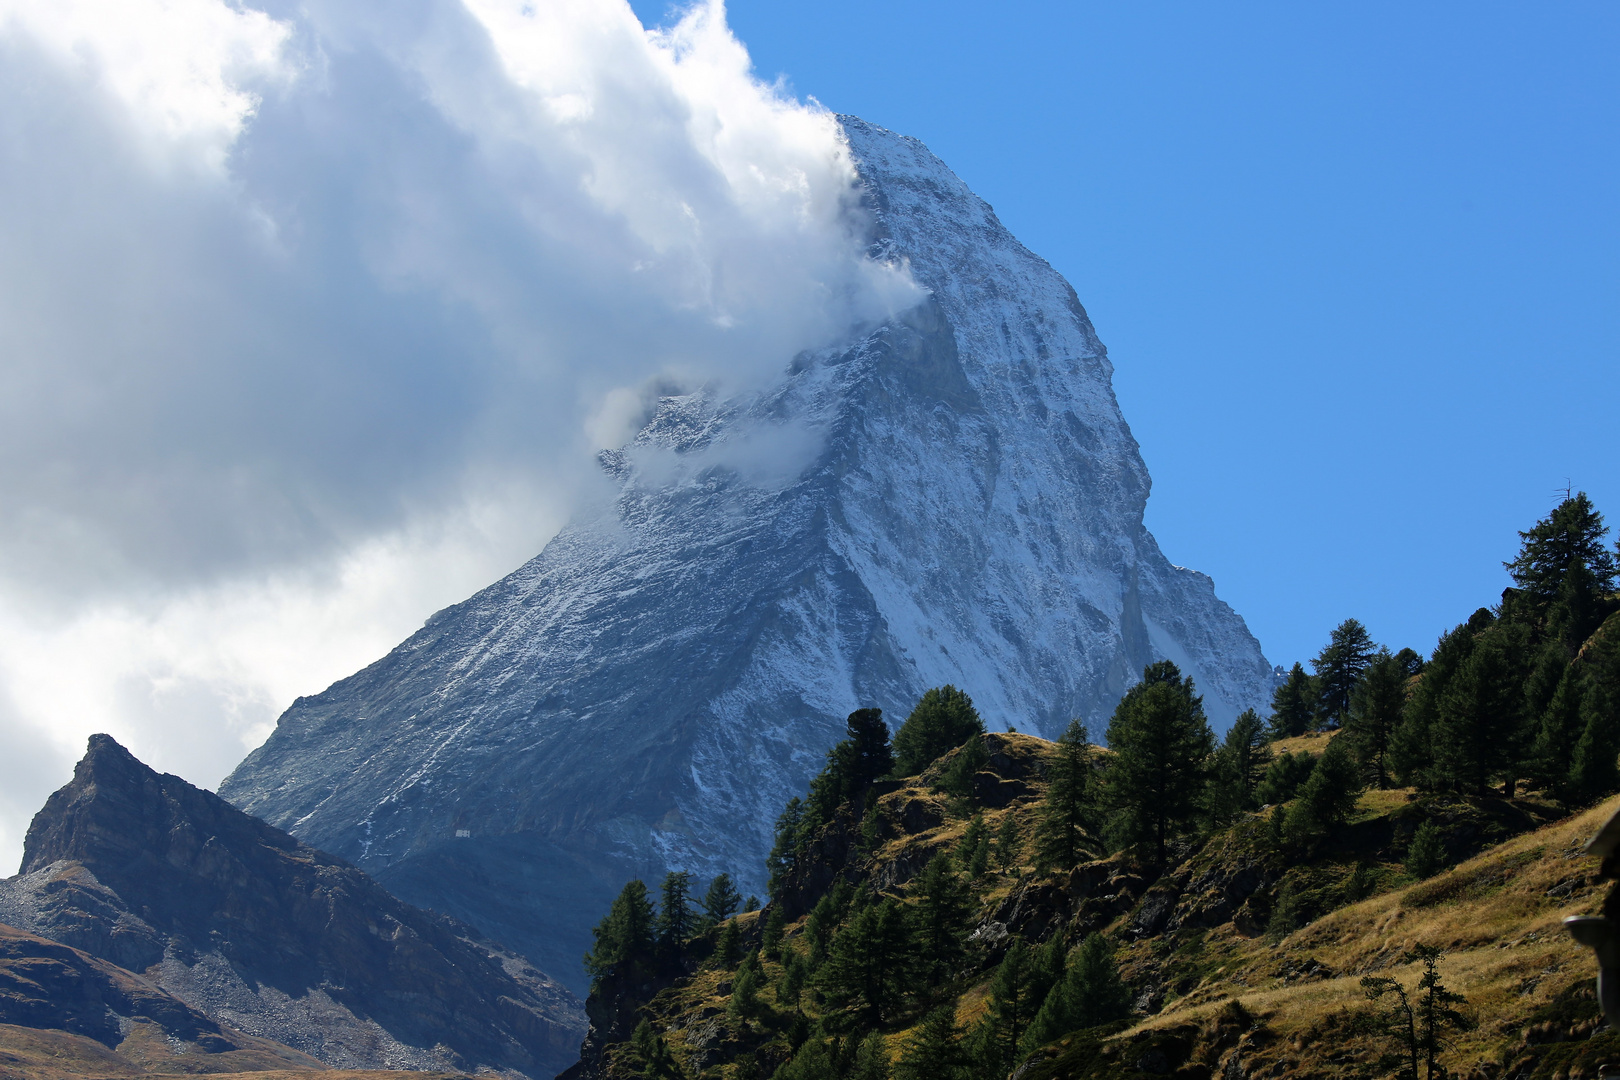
column 250, row 928
column 950, row 497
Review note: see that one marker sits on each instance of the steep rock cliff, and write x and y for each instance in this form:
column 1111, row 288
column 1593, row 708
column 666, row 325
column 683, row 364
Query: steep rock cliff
column 952, row 496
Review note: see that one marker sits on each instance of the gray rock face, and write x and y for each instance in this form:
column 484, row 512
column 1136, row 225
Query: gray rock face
column 950, row 497
column 244, row 924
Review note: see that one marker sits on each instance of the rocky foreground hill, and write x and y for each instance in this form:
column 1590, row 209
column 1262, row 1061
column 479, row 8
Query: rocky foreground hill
column 1239, row 960
column 148, row 909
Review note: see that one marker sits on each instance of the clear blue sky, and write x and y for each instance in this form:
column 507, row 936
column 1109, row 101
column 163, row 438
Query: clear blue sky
column 1356, row 264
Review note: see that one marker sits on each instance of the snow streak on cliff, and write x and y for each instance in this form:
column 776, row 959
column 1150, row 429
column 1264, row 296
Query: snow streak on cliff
column 950, row 497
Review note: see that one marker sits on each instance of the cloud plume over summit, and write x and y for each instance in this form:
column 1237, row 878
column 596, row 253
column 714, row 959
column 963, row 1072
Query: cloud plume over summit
column 311, row 315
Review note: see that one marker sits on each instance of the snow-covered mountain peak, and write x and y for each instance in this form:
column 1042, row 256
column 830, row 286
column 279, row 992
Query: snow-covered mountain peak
column 952, row 497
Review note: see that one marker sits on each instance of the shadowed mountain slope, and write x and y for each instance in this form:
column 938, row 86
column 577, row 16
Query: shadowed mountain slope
column 253, row 928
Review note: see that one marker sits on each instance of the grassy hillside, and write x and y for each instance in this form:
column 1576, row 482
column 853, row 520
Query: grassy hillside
column 1240, row 960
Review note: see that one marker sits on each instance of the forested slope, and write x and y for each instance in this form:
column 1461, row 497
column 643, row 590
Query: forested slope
column 1367, row 883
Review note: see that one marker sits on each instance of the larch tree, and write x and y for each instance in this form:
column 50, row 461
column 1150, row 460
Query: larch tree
column 1564, row 572
column 1339, row 667
column 1066, row 808
column 1293, row 705
column 941, row 721
column 1376, row 707
column 1161, row 741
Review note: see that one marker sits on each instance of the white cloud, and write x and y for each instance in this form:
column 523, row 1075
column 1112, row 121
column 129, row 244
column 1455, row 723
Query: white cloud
column 311, row 316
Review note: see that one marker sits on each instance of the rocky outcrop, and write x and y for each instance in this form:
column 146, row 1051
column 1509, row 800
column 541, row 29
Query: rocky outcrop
column 251, row 927
column 950, row 497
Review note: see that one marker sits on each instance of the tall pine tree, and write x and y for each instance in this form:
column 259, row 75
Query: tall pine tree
column 934, row 1051
column 943, row 720
column 1015, row 997
column 1239, row 765
column 943, row 908
column 869, row 967
column 785, row 852
column 625, row 937
column 1293, row 705
column 1339, row 667
column 1592, row 771
column 1564, row 572
column 675, row 919
column 852, row 765
column 1060, row 830
column 1481, row 733
column 1160, row 740
column 720, row 902
column 1090, row 993
column 1376, row 707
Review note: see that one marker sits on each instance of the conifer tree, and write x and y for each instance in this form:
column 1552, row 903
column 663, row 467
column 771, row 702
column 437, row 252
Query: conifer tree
column 814, row 1060
column 625, row 936
column 1089, row 994
column 1435, row 1013
column 943, row 908
column 1412, row 756
column 744, row 1003
column 1339, row 667
column 1013, row 1005
column 1284, row 777
column 1327, row 798
column 869, row 965
column 1425, row 855
column 871, row 1059
column 1558, row 732
column 1565, row 572
column 1238, row 768
column 852, row 765
column 957, row 777
column 650, row 1056
column 1160, row 740
column 728, row 943
column 1293, row 705
column 1411, row 662
column 784, row 853
column 1593, row 773
column 974, row 850
column 675, row 922
column 770, row 937
column 1009, row 844
column 720, row 903
column 941, row 721
column 1060, row 828
column 795, row 973
column 1480, row 733
column 1376, row 707
column 824, row 919
column 934, row 1051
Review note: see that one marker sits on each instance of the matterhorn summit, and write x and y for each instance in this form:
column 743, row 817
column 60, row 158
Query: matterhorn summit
column 953, row 498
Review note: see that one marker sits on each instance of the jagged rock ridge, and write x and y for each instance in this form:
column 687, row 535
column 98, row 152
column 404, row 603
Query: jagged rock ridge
column 951, row 497
column 254, row 929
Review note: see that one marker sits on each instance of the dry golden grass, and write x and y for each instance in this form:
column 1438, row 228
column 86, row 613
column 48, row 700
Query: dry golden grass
column 1313, row 741
column 1505, row 947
